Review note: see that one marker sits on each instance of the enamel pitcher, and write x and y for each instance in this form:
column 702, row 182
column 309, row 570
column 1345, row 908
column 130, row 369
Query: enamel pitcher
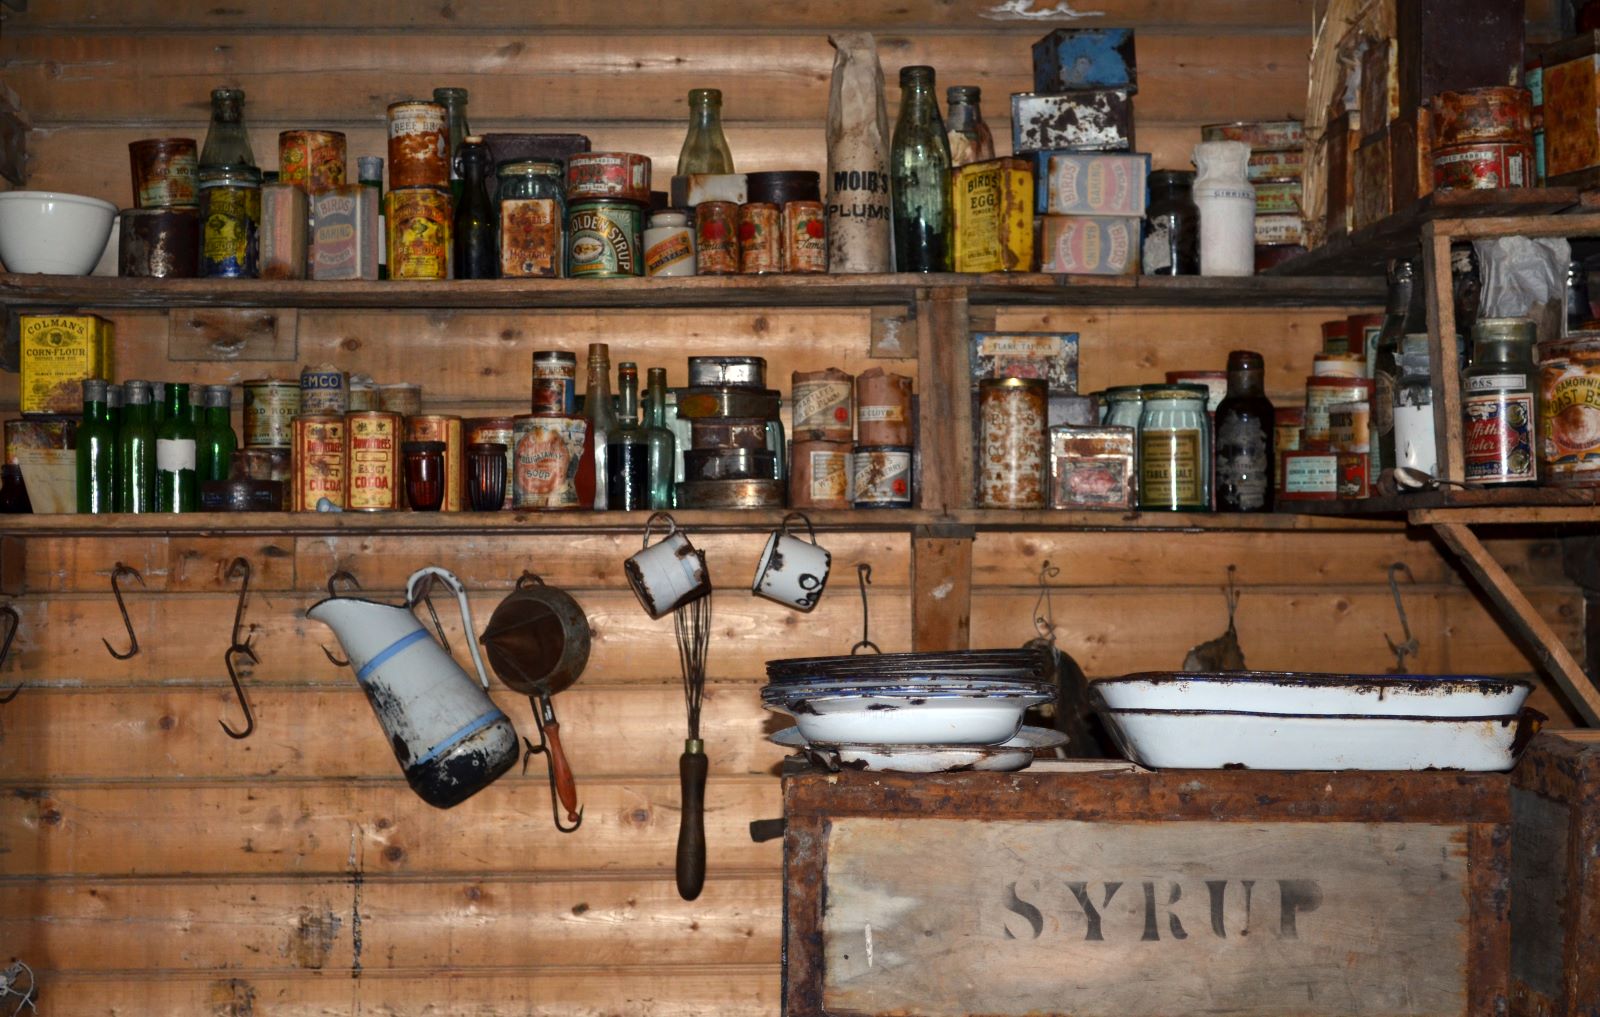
column 450, row 739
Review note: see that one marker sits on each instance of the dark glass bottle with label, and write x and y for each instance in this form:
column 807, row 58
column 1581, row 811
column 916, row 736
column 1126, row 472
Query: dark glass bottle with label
column 1172, row 223
column 919, row 170
column 1499, row 420
column 13, row 492
column 97, row 444
column 136, row 451
column 1405, row 314
column 476, row 227
column 663, row 444
column 1244, row 438
column 627, row 449
column 177, row 481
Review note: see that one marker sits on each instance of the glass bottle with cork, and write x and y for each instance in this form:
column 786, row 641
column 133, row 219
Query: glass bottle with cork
column 177, row 480
column 1499, row 423
column 136, row 451
column 96, row 453
column 1244, row 438
column 591, row 480
column 662, row 443
column 705, row 149
column 627, row 450
column 919, row 171
column 476, row 227
column 969, row 137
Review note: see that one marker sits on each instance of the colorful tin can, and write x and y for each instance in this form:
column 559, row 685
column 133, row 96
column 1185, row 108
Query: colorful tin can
column 419, row 232
column 605, row 239
column 1336, row 336
column 1362, row 331
column 1260, row 135
column 313, row 161
column 419, row 145
column 402, row 397
column 819, row 475
column 805, row 237
column 1349, row 427
column 1569, row 410
column 880, row 476
column 1013, row 421
column 363, row 394
column 324, row 389
column 1496, row 114
column 159, row 243
column 1092, row 468
column 1282, row 164
column 1288, row 423
column 163, row 172
column 1321, row 394
column 669, row 244
column 883, row 408
column 716, row 238
column 533, row 220
column 282, row 239
column 821, row 403
column 346, row 245
column 25, row 438
column 372, row 458
column 1278, row 196
column 546, row 453
column 447, row 429
column 760, row 239
column 555, row 383
column 623, row 176
column 1310, row 475
column 498, row 431
column 993, row 205
column 270, row 406
column 57, row 352
column 1483, row 166
column 230, row 215
column 319, row 463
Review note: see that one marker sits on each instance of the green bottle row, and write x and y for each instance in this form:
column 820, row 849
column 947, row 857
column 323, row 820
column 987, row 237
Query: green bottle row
column 149, row 459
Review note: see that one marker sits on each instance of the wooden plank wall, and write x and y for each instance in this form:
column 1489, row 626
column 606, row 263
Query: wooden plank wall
column 148, row 864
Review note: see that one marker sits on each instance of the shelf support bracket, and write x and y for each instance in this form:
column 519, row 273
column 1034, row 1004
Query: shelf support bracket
column 1517, row 612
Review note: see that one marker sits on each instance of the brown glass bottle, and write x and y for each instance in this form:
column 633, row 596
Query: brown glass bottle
column 1243, row 443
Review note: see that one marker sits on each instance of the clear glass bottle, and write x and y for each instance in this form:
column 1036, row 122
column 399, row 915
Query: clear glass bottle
column 177, row 481
column 705, row 150
column 1244, row 438
column 627, row 450
column 369, row 173
column 227, row 143
column 136, row 451
column 1172, row 240
column 663, row 445
column 1500, row 425
column 476, row 230
column 919, row 171
column 97, row 443
column 217, row 442
column 602, row 421
column 969, row 137
column 1174, row 449
column 454, row 101
column 1405, row 314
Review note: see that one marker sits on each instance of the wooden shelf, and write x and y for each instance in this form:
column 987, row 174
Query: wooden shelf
column 1525, row 506
column 47, row 291
column 1368, row 250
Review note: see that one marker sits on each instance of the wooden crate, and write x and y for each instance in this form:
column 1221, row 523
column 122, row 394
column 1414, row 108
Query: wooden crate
column 1555, row 877
column 1123, row 893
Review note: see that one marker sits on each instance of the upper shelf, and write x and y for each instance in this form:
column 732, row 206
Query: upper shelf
column 56, row 291
column 1504, row 506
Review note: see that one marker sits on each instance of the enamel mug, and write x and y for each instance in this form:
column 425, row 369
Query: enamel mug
column 669, row 573
column 792, row 571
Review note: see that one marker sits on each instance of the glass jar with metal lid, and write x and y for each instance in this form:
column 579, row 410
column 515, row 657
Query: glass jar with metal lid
column 1174, row 445
column 1126, row 402
column 1499, row 422
column 533, row 218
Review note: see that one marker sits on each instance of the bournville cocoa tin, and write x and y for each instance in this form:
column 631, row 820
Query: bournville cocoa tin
column 319, row 463
column 372, row 457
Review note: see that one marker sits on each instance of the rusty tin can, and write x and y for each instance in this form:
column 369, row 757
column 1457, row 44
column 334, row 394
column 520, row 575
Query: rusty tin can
column 1336, row 336
column 159, row 243
column 883, row 408
column 1321, row 394
column 1483, row 166
column 1496, row 114
column 498, row 431
column 372, row 461
column 447, row 429
column 270, row 406
column 546, row 453
column 324, row 389
column 819, row 475
column 880, row 476
column 760, row 239
column 163, row 172
column 1569, row 410
column 402, row 397
column 419, row 145
column 283, row 240
column 727, row 433
column 716, row 236
column 993, row 204
column 605, row 239
column 1288, row 424
column 1310, row 475
column 555, row 383
column 1092, row 468
column 1012, row 418
column 419, row 232
column 805, row 237
column 53, row 434
column 363, row 394
column 822, row 403
column 270, row 466
column 230, row 218
column 623, row 176
column 1277, row 196
column 1260, row 135
column 313, row 161
column 319, row 464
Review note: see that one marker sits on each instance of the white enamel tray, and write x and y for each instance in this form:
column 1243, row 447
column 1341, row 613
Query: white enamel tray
column 1016, row 754
column 929, row 719
column 1285, row 692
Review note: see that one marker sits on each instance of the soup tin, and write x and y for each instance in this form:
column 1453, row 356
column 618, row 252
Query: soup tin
column 318, row 462
column 419, row 145
column 163, row 172
column 270, row 406
column 605, row 239
column 615, row 175
column 547, row 452
column 372, row 457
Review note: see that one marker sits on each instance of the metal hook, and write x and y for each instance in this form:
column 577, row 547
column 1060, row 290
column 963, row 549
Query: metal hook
column 1410, row 647
column 5, row 649
column 239, row 568
column 341, row 576
column 1045, row 624
column 238, row 689
column 864, row 580
column 544, row 747
column 116, row 590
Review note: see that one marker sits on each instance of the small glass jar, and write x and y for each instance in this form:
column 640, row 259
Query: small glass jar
column 424, row 468
column 486, row 476
column 1174, row 444
column 1172, row 223
column 1500, row 423
column 970, row 138
column 1127, row 404
column 532, row 201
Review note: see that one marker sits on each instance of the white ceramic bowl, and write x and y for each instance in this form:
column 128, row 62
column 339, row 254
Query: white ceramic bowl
column 930, row 719
column 1015, row 754
column 53, row 233
column 1284, row 692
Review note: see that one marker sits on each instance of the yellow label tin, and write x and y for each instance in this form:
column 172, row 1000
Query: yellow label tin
column 58, row 351
column 993, row 203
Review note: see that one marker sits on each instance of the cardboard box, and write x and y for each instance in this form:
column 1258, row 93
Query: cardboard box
column 1070, row 58
column 1091, row 183
column 58, row 351
column 1087, row 120
column 1089, row 244
column 993, row 206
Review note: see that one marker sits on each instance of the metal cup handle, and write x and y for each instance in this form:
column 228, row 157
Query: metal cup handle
column 649, row 526
column 449, row 579
column 810, row 531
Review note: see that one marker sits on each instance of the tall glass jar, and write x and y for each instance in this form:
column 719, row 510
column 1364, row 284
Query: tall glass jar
column 1174, row 449
column 1227, row 204
column 1500, row 425
column 1415, row 442
column 705, row 149
column 533, row 219
column 919, row 170
column 1172, row 245
column 454, row 101
column 227, row 144
column 969, row 137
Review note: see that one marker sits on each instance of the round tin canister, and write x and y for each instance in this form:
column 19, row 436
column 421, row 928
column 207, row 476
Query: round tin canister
column 729, row 464
column 159, row 243
column 1287, row 425
column 779, row 187
column 605, row 239
column 805, row 237
column 1013, row 442
column 1276, row 197
column 324, row 389
column 623, row 176
column 880, row 476
column 419, row 232
column 1569, row 410
column 1321, row 393
column 363, row 394
column 230, row 215
column 716, row 238
column 727, row 401
column 313, row 161
column 1497, row 114
column 669, row 244
column 1349, row 426
column 163, row 172
column 739, row 372
column 819, row 474
column 546, row 453
column 730, row 494
column 419, row 145
column 270, row 406
column 1338, row 365
column 1336, row 336
column 372, row 461
column 726, row 434
column 319, row 466
column 401, row 397
column 447, row 429
column 1483, row 166
column 1215, row 382
column 883, row 408
column 822, row 403
column 760, row 239
column 555, row 383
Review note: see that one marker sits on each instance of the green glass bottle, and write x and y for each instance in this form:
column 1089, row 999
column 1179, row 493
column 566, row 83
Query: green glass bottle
column 97, row 443
column 177, row 480
column 158, row 402
column 661, row 444
column 136, row 451
column 705, row 149
column 216, row 441
column 197, row 407
column 114, row 417
column 454, row 101
column 919, row 171
column 114, row 406
column 477, row 227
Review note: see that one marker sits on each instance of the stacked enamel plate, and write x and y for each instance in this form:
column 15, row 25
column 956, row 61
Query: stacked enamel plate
column 913, row 712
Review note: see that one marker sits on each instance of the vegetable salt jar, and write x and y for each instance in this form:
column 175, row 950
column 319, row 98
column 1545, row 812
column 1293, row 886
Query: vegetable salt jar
column 1174, row 449
column 1227, row 204
column 1500, row 427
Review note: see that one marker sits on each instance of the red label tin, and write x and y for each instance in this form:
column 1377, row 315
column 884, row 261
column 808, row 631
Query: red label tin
column 1483, row 166
column 419, row 145
column 759, row 236
column 716, row 238
column 163, row 172
column 623, row 175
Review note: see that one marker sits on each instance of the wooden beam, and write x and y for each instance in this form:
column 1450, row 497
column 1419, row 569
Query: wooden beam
column 1443, row 361
column 1523, row 620
column 941, row 589
column 944, row 407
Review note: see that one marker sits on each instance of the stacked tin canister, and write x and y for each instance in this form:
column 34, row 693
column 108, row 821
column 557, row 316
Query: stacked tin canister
column 735, row 453
column 160, row 235
column 546, row 447
column 750, row 224
column 853, row 441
